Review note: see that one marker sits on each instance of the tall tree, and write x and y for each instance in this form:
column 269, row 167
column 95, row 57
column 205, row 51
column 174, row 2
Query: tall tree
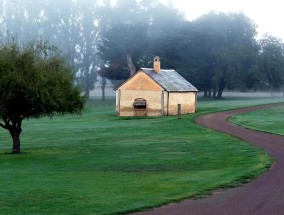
column 271, row 63
column 125, row 33
column 228, row 38
column 85, row 45
column 34, row 82
column 133, row 34
column 73, row 29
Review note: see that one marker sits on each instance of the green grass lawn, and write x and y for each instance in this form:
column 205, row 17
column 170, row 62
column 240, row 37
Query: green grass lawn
column 98, row 163
column 268, row 120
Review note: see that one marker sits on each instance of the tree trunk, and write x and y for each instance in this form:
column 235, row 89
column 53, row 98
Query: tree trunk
column 87, row 93
column 14, row 126
column 103, row 93
column 15, row 134
column 214, row 95
column 103, row 86
column 130, row 63
column 219, row 95
column 205, row 93
column 221, row 88
column 209, row 93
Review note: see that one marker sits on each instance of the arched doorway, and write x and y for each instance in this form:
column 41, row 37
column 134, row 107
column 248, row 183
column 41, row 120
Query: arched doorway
column 140, row 107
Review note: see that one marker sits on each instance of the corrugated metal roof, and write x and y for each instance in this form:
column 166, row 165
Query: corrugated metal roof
column 170, row 80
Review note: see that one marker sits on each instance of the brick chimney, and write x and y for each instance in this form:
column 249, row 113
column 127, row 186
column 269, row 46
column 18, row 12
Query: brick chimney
column 157, row 64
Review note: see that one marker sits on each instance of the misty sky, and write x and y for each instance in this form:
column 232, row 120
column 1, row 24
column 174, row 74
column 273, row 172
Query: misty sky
column 267, row 14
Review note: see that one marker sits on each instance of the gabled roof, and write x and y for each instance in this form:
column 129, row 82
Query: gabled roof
column 170, row 80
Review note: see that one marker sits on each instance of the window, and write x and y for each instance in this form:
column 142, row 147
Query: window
column 139, row 104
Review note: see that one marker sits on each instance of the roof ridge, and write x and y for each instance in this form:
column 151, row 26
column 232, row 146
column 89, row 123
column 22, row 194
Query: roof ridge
column 170, row 80
column 161, row 69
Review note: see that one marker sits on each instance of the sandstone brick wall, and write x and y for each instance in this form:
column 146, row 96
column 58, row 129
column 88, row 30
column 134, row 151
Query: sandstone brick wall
column 142, row 86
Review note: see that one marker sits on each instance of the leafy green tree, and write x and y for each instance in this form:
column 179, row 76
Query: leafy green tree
column 35, row 81
column 212, row 52
column 115, row 72
column 124, row 34
column 133, row 33
column 229, row 49
column 167, row 36
column 271, row 63
column 73, row 29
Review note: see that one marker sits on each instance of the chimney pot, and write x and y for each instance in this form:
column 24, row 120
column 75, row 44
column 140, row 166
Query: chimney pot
column 157, row 64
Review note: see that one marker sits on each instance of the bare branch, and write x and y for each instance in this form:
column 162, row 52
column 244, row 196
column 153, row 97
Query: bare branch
column 3, row 126
column 7, row 122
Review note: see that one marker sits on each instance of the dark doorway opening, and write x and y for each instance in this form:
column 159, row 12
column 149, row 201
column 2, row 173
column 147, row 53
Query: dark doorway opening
column 140, row 107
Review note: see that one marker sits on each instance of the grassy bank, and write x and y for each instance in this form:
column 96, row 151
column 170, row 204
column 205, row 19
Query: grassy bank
column 268, row 120
column 98, row 163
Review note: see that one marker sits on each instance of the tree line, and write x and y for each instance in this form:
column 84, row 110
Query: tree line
column 213, row 52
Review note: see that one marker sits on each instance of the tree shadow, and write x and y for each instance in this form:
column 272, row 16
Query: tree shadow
column 11, row 153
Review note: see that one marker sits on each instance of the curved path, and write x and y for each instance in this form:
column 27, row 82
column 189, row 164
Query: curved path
column 262, row 196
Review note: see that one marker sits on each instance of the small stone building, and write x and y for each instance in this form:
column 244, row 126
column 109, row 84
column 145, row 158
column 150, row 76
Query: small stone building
column 155, row 92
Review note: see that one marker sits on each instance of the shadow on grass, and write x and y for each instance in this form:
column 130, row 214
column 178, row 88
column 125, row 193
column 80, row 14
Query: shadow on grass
column 11, row 153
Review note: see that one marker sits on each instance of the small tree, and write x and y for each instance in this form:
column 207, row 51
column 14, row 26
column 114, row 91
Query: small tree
column 34, row 82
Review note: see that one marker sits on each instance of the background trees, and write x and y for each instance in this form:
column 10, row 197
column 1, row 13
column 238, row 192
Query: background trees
column 270, row 64
column 124, row 36
column 34, row 82
column 214, row 52
column 71, row 25
column 227, row 51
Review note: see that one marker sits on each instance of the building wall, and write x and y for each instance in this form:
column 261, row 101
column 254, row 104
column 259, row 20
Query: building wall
column 142, row 86
column 153, row 102
column 139, row 86
column 186, row 99
column 141, row 81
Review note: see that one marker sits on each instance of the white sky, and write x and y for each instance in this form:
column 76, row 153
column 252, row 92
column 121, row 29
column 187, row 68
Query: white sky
column 267, row 14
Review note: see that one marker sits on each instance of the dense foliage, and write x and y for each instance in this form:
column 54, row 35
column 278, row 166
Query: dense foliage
column 68, row 24
column 34, row 82
column 214, row 52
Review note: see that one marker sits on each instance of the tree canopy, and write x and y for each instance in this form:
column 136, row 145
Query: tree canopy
column 130, row 31
column 271, row 63
column 35, row 81
column 213, row 52
column 71, row 28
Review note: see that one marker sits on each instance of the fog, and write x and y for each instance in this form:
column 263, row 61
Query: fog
column 215, row 51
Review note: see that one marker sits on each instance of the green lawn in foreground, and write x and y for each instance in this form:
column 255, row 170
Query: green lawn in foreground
column 98, row 163
column 269, row 120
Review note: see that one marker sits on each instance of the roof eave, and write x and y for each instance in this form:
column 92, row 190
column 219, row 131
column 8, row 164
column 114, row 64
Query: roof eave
column 181, row 91
column 142, row 69
column 118, row 86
